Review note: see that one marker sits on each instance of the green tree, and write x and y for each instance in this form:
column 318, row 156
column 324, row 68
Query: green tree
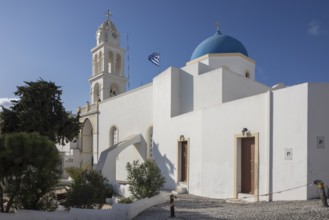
column 41, row 197
column 19, row 153
column 145, row 179
column 8, row 120
column 39, row 109
column 88, row 190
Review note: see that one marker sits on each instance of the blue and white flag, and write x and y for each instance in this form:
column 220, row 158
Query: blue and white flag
column 155, row 58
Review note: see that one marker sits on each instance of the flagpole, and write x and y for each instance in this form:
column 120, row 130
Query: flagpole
column 128, row 61
column 159, row 67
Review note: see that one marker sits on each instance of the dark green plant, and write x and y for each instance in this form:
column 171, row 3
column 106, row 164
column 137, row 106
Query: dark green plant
column 21, row 153
column 88, row 190
column 36, row 191
column 39, row 109
column 75, row 172
column 126, row 200
column 145, row 179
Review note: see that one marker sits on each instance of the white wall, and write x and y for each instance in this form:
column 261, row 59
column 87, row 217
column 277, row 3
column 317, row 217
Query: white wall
column 219, row 125
column 132, row 114
column 163, row 147
column 182, row 92
column 290, row 132
column 236, row 62
column 208, row 89
column 318, row 127
column 197, row 68
column 235, row 86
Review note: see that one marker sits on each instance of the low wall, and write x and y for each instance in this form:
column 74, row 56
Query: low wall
column 118, row 211
column 129, row 211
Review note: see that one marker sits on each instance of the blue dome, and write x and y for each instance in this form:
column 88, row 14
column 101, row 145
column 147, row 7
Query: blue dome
column 219, row 43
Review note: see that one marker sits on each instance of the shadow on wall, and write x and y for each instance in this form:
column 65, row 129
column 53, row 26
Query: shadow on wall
column 142, row 148
column 166, row 166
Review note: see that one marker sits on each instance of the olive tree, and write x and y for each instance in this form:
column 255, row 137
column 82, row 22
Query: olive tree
column 145, row 179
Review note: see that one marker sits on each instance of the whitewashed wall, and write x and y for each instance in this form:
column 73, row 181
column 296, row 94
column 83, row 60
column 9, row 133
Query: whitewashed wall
column 290, row 134
column 318, row 129
column 219, row 125
column 235, row 86
column 235, row 62
column 132, row 114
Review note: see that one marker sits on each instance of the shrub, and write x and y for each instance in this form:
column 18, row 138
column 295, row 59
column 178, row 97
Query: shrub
column 126, row 200
column 88, row 190
column 36, row 191
column 145, row 179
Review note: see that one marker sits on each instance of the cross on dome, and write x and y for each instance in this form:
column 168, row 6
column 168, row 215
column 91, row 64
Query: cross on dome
column 108, row 14
column 217, row 25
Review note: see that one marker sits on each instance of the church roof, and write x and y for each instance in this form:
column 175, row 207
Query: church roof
column 219, row 43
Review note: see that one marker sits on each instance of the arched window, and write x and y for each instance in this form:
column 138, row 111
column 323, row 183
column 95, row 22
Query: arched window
column 118, row 64
column 94, row 71
column 96, row 64
column 100, row 58
column 114, row 135
column 110, row 62
column 96, row 93
column 114, row 90
column 247, row 74
column 150, row 143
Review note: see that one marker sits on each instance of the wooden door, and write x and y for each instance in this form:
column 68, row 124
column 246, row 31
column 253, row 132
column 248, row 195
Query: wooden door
column 247, row 165
column 183, row 160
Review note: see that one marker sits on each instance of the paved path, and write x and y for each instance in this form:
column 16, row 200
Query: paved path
column 194, row 207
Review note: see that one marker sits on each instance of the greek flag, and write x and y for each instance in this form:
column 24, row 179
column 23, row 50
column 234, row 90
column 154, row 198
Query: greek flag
column 155, row 58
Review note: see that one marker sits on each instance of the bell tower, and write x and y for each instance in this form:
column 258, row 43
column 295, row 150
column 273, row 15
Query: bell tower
column 108, row 78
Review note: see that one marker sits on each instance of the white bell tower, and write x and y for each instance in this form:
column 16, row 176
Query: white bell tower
column 108, row 78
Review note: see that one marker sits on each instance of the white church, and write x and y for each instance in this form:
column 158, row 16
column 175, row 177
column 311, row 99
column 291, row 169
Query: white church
column 212, row 129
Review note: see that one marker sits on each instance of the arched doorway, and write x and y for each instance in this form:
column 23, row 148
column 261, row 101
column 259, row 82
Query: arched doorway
column 87, row 144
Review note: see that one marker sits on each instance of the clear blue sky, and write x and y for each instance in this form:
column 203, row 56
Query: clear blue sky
column 289, row 40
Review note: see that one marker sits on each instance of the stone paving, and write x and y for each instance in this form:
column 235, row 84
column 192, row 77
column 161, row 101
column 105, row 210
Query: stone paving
column 194, row 207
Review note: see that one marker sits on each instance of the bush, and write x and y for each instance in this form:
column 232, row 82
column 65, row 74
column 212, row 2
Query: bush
column 28, row 166
column 145, row 179
column 88, row 190
column 36, row 191
column 126, row 200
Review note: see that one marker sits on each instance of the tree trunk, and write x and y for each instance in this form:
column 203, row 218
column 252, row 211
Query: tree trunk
column 1, row 200
column 12, row 197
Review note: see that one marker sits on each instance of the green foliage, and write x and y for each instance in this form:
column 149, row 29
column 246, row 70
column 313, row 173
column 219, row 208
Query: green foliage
column 145, row 179
column 39, row 109
column 75, row 172
column 88, row 190
column 20, row 154
column 28, row 161
column 8, row 120
column 36, row 191
column 126, row 200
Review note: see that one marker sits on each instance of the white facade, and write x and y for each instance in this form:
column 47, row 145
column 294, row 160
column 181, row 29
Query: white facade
column 202, row 123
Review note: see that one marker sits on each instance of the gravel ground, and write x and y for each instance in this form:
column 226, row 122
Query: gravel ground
column 194, row 207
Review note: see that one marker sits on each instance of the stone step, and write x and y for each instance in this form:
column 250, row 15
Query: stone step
column 180, row 190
